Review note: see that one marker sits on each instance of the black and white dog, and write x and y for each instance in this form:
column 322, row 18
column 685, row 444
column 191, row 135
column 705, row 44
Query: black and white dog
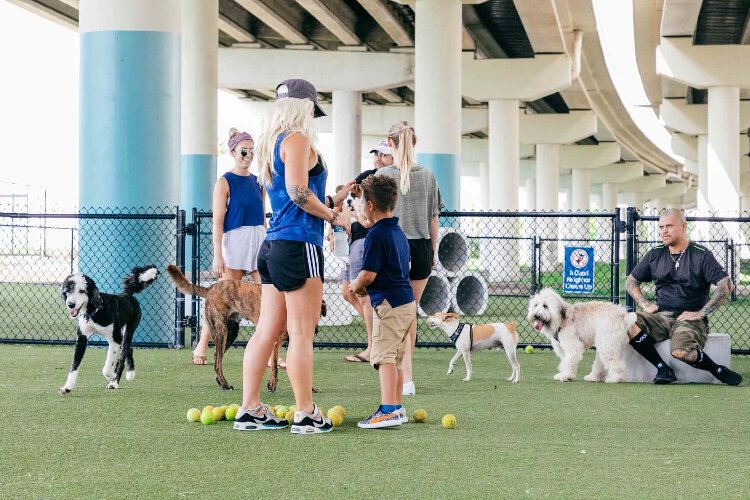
column 114, row 317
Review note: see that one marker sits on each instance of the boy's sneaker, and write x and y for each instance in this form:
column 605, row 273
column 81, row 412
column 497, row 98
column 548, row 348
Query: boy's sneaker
column 409, row 389
column 727, row 376
column 258, row 419
column 315, row 423
column 379, row 420
column 403, row 416
column 665, row 375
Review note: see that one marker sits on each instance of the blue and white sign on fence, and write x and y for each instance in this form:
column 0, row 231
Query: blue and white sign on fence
column 578, row 272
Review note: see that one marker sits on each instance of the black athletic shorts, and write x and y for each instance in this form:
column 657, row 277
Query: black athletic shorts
column 287, row 264
column 421, row 259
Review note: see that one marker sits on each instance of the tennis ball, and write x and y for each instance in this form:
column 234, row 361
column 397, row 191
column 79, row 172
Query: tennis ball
column 292, row 408
column 218, row 414
column 289, row 415
column 207, row 418
column 207, row 408
column 529, row 349
column 231, row 412
column 193, row 415
column 339, row 409
column 449, row 421
column 335, row 417
column 281, row 411
column 419, row 416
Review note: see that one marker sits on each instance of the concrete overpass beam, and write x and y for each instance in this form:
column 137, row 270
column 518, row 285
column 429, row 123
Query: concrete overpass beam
column 563, row 128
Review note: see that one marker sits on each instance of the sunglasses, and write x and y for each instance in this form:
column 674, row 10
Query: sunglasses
column 244, row 152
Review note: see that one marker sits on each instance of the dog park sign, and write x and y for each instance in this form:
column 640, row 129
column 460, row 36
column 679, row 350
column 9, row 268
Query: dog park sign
column 578, row 271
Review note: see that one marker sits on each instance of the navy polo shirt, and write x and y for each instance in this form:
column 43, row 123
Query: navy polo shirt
column 387, row 255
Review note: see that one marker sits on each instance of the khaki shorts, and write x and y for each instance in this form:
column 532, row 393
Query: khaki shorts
column 682, row 335
column 390, row 332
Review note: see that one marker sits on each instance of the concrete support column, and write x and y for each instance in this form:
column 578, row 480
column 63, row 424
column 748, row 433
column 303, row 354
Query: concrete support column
column 609, row 197
column 129, row 142
column 704, row 207
column 547, row 187
column 347, row 133
column 500, row 254
column 530, row 194
column 724, row 149
column 437, row 106
column 484, row 185
column 581, row 190
column 529, row 223
column 547, row 176
column 504, row 153
column 199, row 102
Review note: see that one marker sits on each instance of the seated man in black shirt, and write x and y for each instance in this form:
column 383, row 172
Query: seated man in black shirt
column 683, row 272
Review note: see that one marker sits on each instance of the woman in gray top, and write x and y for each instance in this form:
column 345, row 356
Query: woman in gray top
column 417, row 208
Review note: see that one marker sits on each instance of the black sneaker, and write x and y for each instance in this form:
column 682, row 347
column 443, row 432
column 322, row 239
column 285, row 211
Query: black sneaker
column 665, row 375
column 258, row 419
column 727, row 376
column 306, row 423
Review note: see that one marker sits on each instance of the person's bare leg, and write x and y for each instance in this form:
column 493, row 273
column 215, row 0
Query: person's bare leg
column 389, row 389
column 270, row 325
column 366, row 314
column 417, row 287
column 302, row 314
column 202, row 347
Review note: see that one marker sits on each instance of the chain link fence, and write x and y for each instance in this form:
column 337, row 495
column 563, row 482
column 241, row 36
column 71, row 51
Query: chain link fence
column 38, row 251
column 487, row 265
column 728, row 238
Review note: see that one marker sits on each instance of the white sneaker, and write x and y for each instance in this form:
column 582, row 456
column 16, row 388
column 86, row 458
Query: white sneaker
column 310, row 423
column 403, row 416
column 409, row 389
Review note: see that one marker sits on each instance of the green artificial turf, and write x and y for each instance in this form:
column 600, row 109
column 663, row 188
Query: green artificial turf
column 540, row 438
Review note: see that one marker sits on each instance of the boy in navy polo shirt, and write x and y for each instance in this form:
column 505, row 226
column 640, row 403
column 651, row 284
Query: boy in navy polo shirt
column 385, row 274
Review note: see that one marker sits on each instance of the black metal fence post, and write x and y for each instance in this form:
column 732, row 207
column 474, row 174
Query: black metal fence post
column 616, row 230
column 194, row 246
column 631, row 218
column 179, row 297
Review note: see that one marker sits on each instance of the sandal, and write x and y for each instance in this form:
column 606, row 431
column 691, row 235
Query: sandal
column 356, row 358
column 200, row 360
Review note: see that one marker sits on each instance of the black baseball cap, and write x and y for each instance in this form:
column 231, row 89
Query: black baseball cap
column 300, row 89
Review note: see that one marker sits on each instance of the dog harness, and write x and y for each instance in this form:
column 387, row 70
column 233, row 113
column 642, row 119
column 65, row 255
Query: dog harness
column 459, row 329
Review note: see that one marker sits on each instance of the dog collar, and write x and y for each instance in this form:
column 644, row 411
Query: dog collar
column 88, row 316
column 459, row 329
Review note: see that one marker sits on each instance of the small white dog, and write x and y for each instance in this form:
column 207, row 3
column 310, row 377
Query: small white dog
column 467, row 338
column 573, row 328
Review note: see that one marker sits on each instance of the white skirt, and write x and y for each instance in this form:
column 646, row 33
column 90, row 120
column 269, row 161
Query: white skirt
column 240, row 247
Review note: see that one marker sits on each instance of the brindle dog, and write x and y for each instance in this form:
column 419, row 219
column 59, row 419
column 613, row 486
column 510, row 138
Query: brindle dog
column 226, row 304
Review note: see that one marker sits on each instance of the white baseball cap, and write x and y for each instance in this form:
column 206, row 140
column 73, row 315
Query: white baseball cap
column 382, row 147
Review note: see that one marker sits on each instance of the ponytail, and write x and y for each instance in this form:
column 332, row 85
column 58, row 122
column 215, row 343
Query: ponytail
column 404, row 139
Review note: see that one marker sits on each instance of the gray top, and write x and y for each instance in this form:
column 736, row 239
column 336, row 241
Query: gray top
column 416, row 208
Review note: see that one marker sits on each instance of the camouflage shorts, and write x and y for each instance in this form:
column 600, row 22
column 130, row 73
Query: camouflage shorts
column 682, row 335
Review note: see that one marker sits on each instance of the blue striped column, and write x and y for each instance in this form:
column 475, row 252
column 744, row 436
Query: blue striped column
column 437, row 105
column 130, row 144
column 199, row 111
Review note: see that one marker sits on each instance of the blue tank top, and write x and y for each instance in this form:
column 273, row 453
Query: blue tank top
column 245, row 202
column 290, row 222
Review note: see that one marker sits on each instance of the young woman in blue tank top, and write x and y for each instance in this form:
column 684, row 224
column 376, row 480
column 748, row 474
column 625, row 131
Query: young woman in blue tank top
column 290, row 261
column 239, row 222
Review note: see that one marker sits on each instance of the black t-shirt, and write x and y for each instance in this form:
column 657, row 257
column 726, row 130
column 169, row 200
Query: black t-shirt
column 680, row 289
column 358, row 230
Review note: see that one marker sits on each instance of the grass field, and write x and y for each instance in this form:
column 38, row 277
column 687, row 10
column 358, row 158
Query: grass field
column 540, row 438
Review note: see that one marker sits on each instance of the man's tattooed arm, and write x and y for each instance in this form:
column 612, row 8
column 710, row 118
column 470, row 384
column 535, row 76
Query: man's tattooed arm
column 633, row 287
column 723, row 289
column 300, row 195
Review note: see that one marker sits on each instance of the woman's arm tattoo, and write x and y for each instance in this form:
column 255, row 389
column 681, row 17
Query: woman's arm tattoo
column 301, row 195
column 633, row 287
column 723, row 288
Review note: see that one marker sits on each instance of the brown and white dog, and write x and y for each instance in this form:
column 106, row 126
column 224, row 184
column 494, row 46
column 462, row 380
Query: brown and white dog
column 227, row 303
column 467, row 338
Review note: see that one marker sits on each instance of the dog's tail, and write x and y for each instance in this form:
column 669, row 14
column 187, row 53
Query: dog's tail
column 140, row 278
column 182, row 284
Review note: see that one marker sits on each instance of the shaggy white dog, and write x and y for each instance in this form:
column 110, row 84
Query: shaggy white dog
column 573, row 328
